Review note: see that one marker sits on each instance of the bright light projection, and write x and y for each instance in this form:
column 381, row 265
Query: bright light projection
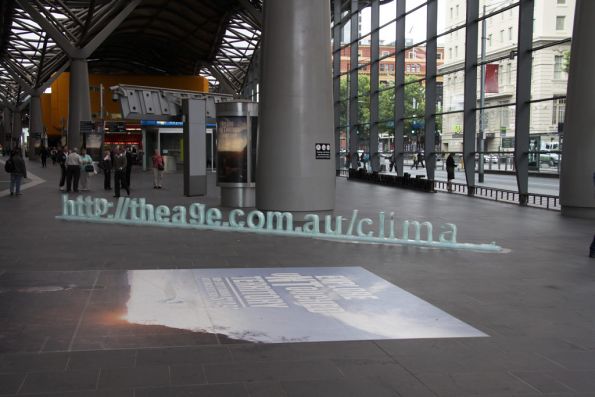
column 275, row 305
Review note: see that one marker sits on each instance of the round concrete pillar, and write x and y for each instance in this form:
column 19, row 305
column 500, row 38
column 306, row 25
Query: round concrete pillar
column 79, row 104
column 294, row 171
column 577, row 175
column 35, row 123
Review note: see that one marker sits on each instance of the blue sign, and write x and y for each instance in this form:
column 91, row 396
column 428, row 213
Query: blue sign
column 161, row 123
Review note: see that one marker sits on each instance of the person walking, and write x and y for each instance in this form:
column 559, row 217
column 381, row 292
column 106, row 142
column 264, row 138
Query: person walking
column 129, row 161
column 414, row 164
column 61, row 158
column 106, row 166
column 420, row 160
column 53, row 155
column 158, row 167
column 17, row 173
column 450, row 171
column 86, row 169
column 73, row 171
column 119, row 165
column 44, row 157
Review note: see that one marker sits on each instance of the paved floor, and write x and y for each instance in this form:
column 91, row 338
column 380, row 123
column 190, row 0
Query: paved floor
column 534, row 301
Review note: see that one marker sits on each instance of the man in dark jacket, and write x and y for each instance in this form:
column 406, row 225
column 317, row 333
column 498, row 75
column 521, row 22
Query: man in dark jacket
column 119, row 167
column 18, row 173
column 61, row 157
column 129, row 161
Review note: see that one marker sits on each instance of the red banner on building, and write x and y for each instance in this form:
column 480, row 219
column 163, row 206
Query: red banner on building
column 492, row 78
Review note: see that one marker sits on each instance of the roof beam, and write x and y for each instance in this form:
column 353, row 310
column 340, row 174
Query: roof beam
column 50, row 29
column 109, row 28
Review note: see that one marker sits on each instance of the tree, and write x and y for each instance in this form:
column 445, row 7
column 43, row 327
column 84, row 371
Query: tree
column 414, row 106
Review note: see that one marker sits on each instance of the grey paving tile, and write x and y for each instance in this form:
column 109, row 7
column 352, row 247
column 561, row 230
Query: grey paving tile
column 11, row 382
column 414, row 347
column 50, row 382
column 579, row 381
column 477, row 383
column 183, row 355
column 339, row 388
column 370, row 368
column 336, row 350
column 265, row 389
column 222, row 390
column 187, row 375
column 123, row 378
column 271, row 371
column 528, row 344
column 99, row 393
column 574, row 360
column 158, row 340
column 102, row 359
column 261, row 352
column 511, row 361
column 31, row 362
column 542, row 381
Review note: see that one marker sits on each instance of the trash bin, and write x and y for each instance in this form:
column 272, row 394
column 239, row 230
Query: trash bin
column 169, row 164
column 237, row 126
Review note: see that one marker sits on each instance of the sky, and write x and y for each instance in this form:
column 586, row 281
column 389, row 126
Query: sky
column 415, row 23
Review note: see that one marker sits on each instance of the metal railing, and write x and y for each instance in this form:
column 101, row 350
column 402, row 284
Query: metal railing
column 537, row 200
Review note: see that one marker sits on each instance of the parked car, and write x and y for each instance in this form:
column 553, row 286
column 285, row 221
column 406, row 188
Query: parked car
column 490, row 158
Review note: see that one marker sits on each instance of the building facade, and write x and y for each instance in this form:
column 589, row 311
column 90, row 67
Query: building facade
column 553, row 21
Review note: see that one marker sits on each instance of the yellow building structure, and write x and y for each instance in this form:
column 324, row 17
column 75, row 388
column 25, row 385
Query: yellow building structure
column 55, row 104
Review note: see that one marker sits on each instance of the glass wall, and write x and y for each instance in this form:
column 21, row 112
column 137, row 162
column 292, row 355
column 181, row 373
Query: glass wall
column 390, row 112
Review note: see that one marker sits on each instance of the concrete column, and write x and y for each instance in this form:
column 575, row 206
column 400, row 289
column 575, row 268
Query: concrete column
column 577, row 190
column 17, row 130
column 79, row 104
column 35, row 122
column 6, row 127
column 296, row 109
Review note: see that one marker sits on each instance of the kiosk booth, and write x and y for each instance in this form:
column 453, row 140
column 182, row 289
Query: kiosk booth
column 237, row 132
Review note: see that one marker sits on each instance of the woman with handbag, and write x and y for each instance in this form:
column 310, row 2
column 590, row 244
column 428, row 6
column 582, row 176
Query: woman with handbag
column 86, row 169
column 158, row 167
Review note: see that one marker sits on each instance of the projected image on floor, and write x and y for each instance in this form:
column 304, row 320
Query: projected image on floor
column 274, row 305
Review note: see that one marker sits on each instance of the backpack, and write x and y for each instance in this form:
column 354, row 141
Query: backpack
column 9, row 166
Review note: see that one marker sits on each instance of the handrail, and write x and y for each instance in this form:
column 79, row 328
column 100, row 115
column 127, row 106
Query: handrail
column 536, row 200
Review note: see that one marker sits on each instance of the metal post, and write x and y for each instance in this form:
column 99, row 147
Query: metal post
column 523, row 96
column 195, row 166
column 482, row 90
column 431, row 67
column 400, row 87
column 374, row 78
column 35, row 122
column 337, row 82
column 353, row 86
column 470, row 92
column 101, row 114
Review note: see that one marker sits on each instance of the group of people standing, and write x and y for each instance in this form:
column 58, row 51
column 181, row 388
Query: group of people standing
column 76, row 167
column 120, row 162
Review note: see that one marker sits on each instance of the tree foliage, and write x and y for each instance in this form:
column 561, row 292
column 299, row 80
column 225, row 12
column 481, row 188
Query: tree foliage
column 414, row 107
